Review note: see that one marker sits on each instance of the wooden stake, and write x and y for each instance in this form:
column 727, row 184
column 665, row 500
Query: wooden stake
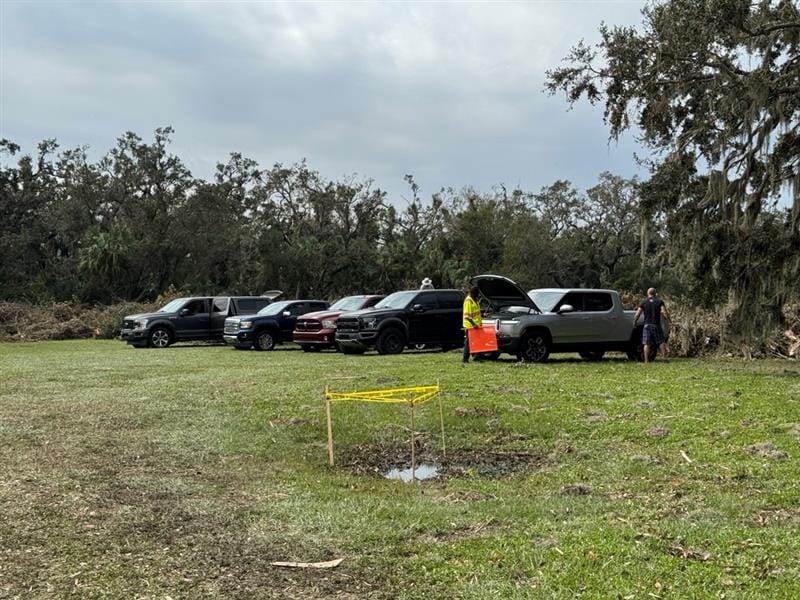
column 330, row 427
column 441, row 418
column 413, row 456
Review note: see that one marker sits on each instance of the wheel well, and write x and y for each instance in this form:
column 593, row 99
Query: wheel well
column 538, row 329
column 394, row 324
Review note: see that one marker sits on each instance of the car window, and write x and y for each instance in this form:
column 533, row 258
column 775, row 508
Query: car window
column 574, row 299
column 221, row 305
column 251, row 305
column 298, row 309
column 314, row 306
column 450, row 299
column 196, row 307
column 597, row 302
column 344, row 304
column 427, row 300
column 397, row 300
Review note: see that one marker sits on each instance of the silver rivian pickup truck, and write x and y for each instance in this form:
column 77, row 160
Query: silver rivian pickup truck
column 534, row 324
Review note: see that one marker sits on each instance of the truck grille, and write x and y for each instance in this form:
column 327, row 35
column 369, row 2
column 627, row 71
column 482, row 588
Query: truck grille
column 231, row 327
column 308, row 325
column 347, row 325
column 128, row 324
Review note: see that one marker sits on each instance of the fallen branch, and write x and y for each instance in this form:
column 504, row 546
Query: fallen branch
column 306, row 565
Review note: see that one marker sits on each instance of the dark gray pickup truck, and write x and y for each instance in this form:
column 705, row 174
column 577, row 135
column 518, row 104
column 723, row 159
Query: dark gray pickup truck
column 189, row 319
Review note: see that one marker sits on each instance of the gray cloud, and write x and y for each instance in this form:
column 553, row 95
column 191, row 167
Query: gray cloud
column 451, row 92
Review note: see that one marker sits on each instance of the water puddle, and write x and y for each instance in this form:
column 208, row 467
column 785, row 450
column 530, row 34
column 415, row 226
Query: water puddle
column 421, row 473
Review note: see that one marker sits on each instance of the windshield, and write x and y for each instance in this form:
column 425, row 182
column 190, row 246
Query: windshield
column 545, row 300
column 396, row 300
column 273, row 309
column 173, row 306
column 349, row 303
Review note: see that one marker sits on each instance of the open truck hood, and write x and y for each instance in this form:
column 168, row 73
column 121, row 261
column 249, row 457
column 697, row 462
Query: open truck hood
column 502, row 292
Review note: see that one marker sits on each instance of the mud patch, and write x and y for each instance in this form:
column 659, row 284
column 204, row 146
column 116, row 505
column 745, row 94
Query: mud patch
column 792, row 429
column 483, row 529
column 645, row 459
column 596, row 416
column 773, row 515
column 376, row 460
column 767, row 450
column 658, row 432
column 578, row 489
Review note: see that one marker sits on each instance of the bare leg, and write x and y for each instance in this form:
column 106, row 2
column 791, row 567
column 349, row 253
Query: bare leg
column 647, row 353
column 663, row 349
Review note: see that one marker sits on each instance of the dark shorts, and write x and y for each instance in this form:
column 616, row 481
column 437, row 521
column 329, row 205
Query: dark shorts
column 652, row 335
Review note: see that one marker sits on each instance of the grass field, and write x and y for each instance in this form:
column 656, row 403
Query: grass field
column 185, row 472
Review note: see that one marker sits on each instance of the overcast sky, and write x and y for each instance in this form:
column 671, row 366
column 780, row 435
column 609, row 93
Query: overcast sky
column 449, row 92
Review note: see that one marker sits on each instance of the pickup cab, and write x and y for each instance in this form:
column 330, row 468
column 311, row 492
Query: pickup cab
column 532, row 325
column 188, row 319
column 409, row 318
column 270, row 326
column 317, row 330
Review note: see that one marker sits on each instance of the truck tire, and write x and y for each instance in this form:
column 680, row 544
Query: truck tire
column 390, row 341
column 265, row 340
column 534, row 347
column 159, row 337
column 593, row 355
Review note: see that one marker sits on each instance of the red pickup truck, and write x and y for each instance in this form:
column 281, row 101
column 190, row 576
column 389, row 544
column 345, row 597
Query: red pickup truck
column 315, row 331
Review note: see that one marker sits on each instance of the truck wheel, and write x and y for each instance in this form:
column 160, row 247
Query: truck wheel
column 265, row 341
column 391, row 341
column 159, row 337
column 592, row 355
column 534, row 347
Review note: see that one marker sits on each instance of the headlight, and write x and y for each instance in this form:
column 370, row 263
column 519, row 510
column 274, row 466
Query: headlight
column 245, row 324
column 506, row 322
column 328, row 324
column 141, row 323
column 370, row 323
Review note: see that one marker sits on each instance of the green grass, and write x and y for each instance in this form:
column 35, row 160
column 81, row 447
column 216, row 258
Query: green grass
column 185, row 472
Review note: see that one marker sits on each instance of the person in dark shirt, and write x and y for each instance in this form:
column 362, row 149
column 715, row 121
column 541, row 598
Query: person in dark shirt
column 652, row 308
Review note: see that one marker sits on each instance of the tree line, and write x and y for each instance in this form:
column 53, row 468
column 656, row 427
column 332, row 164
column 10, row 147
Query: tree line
column 136, row 222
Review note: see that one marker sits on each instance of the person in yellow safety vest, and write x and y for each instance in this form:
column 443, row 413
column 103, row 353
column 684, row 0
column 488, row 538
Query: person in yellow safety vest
column 472, row 318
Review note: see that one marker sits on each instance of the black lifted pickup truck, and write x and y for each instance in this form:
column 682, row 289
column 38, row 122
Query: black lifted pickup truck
column 189, row 319
column 429, row 317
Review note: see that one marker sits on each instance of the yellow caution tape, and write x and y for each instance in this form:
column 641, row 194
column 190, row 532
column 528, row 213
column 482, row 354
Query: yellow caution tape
column 408, row 395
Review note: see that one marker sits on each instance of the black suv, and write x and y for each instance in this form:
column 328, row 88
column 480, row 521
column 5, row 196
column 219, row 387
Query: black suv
column 429, row 317
column 272, row 325
column 186, row 319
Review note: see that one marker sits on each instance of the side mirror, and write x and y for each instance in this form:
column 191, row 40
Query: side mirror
column 418, row 308
column 565, row 308
column 184, row 312
column 286, row 313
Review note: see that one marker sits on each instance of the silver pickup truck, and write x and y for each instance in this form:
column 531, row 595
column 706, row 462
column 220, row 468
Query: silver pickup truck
column 534, row 324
